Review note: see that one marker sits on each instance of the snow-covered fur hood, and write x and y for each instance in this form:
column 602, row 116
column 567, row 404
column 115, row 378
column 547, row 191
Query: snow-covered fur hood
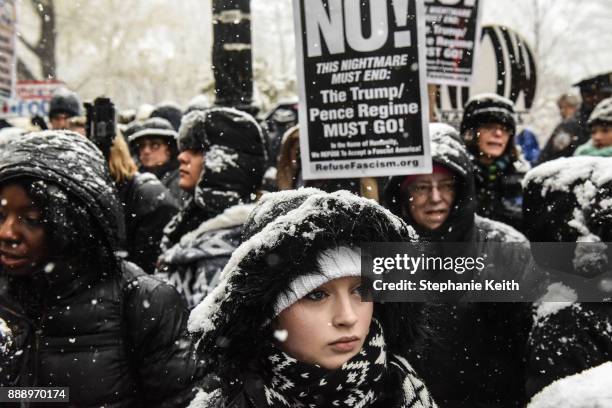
column 447, row 150
column 285, row 233
column 570, row 200
column 73, row 163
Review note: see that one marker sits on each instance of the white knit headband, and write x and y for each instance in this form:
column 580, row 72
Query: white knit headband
column 338, row 262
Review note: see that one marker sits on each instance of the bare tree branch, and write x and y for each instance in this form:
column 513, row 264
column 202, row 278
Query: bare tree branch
column 23, row 72
column 27, row 44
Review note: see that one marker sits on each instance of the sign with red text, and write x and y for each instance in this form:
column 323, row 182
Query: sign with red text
column 32, row 98
column 363, row 94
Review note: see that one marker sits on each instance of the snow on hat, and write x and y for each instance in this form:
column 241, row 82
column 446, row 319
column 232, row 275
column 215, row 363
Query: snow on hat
column 198, row 102
column 569, row 200
column 334, row 263
column 132, row 128
column 602, row 113
column 153, row 127
column 488, row 107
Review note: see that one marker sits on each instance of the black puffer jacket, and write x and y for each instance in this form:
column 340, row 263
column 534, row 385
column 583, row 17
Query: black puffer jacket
column 473, row 356
column 89, row 321
column 568, row 200
column 148, row 207
column 117, row 342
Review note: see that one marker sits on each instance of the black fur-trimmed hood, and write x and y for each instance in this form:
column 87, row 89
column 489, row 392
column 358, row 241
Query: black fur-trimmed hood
column 285, row 233
column 447, row 150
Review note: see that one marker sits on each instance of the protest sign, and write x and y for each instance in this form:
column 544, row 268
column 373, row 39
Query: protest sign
column 505, row 65
column 452, row 28
column 363, row 95
column 32, row 99
column 8, row 19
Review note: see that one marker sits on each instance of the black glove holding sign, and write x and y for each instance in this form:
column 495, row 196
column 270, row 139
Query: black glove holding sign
column 100, row 125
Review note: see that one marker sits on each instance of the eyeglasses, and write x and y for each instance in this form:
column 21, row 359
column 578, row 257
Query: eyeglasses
column 151, row 144
column 494, row 127
column 423, row 190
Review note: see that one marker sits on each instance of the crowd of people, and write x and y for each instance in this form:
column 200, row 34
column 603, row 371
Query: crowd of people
column 170, row 271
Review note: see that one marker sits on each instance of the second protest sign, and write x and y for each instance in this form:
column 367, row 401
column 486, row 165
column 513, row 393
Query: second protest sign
column 363, row 96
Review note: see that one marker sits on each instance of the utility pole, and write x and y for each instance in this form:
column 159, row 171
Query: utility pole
column 232, row 57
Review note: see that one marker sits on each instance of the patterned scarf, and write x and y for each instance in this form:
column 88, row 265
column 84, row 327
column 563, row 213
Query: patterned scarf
column 356, row 384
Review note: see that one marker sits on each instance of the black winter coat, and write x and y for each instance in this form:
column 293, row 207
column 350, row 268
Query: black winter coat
column 87, row 320
column 168, row 174
column 499, row 191
column 148, row 206
column 473, row 356
column 567, row 136
column 119, row 341
column 235, row 155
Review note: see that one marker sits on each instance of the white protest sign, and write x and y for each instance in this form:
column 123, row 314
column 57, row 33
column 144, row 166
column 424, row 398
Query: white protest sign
column 451, row 33
column 363, row 93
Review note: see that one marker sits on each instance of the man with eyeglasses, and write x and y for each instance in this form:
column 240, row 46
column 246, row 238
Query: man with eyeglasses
column 474, row 355
column 488, row 128
column 155, row 143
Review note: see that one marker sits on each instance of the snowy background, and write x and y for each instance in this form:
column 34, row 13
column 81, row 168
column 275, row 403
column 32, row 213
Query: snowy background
column 139, row 51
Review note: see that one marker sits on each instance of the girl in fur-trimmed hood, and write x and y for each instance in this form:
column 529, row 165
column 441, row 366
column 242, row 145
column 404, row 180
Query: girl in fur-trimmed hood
column 288, row 326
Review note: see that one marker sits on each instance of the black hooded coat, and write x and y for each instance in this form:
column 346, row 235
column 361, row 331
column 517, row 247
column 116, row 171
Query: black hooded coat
column 282, row 237
column 568, row 200
column 89, row 321
column 473, row 356
column 234, row 162
column 148, row 207
column 203, row 235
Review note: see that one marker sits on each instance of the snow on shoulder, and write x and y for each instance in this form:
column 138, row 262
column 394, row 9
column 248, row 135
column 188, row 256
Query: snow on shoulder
column 588, row 389
column 560, row 174
column 498, row 231
column 557, row 297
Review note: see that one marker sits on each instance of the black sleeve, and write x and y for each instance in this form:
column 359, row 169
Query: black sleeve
column 15, row 339
column 567, row 342
column 147, row 236
column 163, row 353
